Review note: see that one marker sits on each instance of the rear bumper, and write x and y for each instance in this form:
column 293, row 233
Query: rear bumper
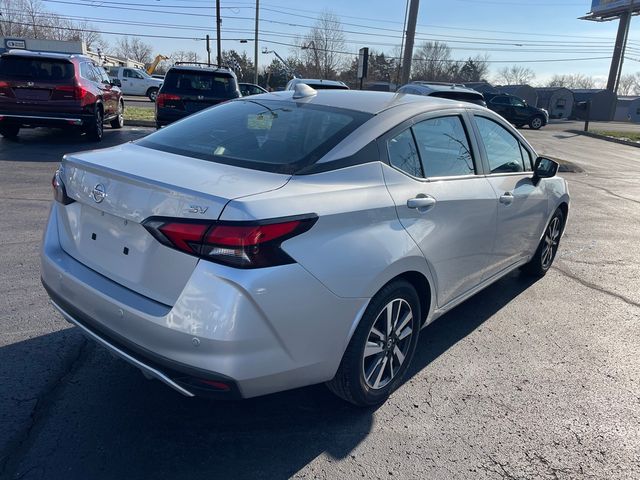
column 257, row 331
column 165, row 116
column 45, row 120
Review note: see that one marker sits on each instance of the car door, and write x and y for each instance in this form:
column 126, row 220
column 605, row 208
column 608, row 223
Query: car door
column 520, row 111
column 522, row 206
column 109, row 95
column 502, row 106
column 133, row 82
column 443, row 201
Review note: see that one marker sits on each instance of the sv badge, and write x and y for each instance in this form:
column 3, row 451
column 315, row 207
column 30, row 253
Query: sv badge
column 197, row 209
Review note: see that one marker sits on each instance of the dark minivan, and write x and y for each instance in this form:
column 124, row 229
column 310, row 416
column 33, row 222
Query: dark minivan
column 189, row 88
column 39, row 89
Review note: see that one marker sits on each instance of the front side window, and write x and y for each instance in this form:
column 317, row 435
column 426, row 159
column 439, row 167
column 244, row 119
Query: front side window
column 269, row 135
column 504, row 151
column 516, row 102
column 444, row 147
column 500, row 101
column 131, row 73
column 403, row 154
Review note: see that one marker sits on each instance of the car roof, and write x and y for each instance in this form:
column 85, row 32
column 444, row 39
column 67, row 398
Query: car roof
column 366, row 101
column 201, row 68
column 441, row 87
column 32, row 54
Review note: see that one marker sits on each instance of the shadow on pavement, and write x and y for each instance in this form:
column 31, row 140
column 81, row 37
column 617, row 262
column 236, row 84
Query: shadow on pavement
column 106, row 421
column 49, row 145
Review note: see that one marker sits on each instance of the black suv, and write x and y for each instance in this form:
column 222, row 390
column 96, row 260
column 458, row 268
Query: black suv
column 191, row 87
column 516, row 110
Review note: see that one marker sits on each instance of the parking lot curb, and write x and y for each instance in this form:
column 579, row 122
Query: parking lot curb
column 140, row 123
column 606, row 138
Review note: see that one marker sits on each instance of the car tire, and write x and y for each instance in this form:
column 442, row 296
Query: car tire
column 118, row 122
column 96, row 128
column 152, row 93
column 536, row 122
column 548, row 247
column 366, row 375
column 9, row 131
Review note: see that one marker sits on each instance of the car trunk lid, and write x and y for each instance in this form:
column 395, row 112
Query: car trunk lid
column 116, row 189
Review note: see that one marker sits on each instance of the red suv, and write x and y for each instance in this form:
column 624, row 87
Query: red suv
column 40, row 89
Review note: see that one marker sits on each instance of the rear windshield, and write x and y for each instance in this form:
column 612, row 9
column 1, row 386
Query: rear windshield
column 269, row 135
column 476, row 98
column 327, row 86
column 36, row 69
column 209, row 84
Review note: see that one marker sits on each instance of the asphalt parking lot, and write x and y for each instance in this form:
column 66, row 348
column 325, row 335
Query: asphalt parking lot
column 527, row 380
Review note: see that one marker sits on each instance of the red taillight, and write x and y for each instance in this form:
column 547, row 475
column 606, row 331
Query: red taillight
column 59, row 190
column 238, row 244
column 72, row 92
column 165, row 97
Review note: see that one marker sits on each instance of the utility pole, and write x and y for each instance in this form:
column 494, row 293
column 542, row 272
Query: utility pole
column 411, row 34
column 255, row 76
column 208, row 51
column 218, row 23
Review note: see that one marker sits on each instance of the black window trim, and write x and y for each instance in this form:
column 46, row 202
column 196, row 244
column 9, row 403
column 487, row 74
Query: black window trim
column 483, row 152
column 409, row 123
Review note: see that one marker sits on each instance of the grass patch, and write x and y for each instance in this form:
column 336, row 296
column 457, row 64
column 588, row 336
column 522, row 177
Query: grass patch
column 633, row 136
column 139, row 113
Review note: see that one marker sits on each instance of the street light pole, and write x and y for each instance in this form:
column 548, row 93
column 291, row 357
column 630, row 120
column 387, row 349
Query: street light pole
column 255, row 76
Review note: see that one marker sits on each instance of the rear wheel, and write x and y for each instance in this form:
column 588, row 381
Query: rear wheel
column 118, row 122
column 381, row 348
column 152, row 93
column 546, row 252
column 9, row 131
column 95, row 128
column 536, row 123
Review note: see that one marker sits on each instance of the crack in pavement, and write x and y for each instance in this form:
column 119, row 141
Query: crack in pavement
column 598, row 288
column 607, row 191
column 10, row 458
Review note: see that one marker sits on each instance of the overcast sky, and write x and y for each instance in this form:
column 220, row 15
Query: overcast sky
column 510, row 31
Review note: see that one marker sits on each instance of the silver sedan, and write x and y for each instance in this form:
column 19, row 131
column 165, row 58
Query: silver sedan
column 295, row 238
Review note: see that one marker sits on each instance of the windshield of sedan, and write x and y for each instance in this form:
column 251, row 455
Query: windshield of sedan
column 267, row 135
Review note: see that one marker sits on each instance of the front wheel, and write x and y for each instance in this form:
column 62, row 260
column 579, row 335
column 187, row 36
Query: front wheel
column 548, row 247
column 381, row 349
column 152, row 93
column 536, row 123
column 9, row 131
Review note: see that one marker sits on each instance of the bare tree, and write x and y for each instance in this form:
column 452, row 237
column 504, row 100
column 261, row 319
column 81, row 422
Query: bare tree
column 184, row 56
column 135, row 49
column 628, row 84
column 515, row 75
column 576, row 80
column 432, row 61
column 322, row 47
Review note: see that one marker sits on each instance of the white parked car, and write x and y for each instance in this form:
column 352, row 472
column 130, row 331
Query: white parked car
column 292, row 238
column 134, row 81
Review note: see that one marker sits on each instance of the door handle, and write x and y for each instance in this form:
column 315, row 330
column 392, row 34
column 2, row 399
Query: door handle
column 422, row 203
column 506, row 198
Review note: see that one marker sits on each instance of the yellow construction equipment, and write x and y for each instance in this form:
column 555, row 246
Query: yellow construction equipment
column 154, row 64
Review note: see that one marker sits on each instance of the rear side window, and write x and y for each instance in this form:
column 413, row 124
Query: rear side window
column 504, row 151
column 87, row 71
column 403, row 154
column 36, row 69
column 267, row 135
column 444, row 147
column 201, row 83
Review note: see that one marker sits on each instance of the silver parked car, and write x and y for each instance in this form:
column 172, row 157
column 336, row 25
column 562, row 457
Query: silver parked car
column 294, row 238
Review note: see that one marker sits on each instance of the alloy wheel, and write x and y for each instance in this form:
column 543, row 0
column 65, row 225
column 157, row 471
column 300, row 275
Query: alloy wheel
column 536, row 123
column 551, row 240
column 387, row 344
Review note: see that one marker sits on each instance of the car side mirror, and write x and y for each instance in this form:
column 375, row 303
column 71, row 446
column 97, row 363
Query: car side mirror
column 544, row 168
column 116, row 82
